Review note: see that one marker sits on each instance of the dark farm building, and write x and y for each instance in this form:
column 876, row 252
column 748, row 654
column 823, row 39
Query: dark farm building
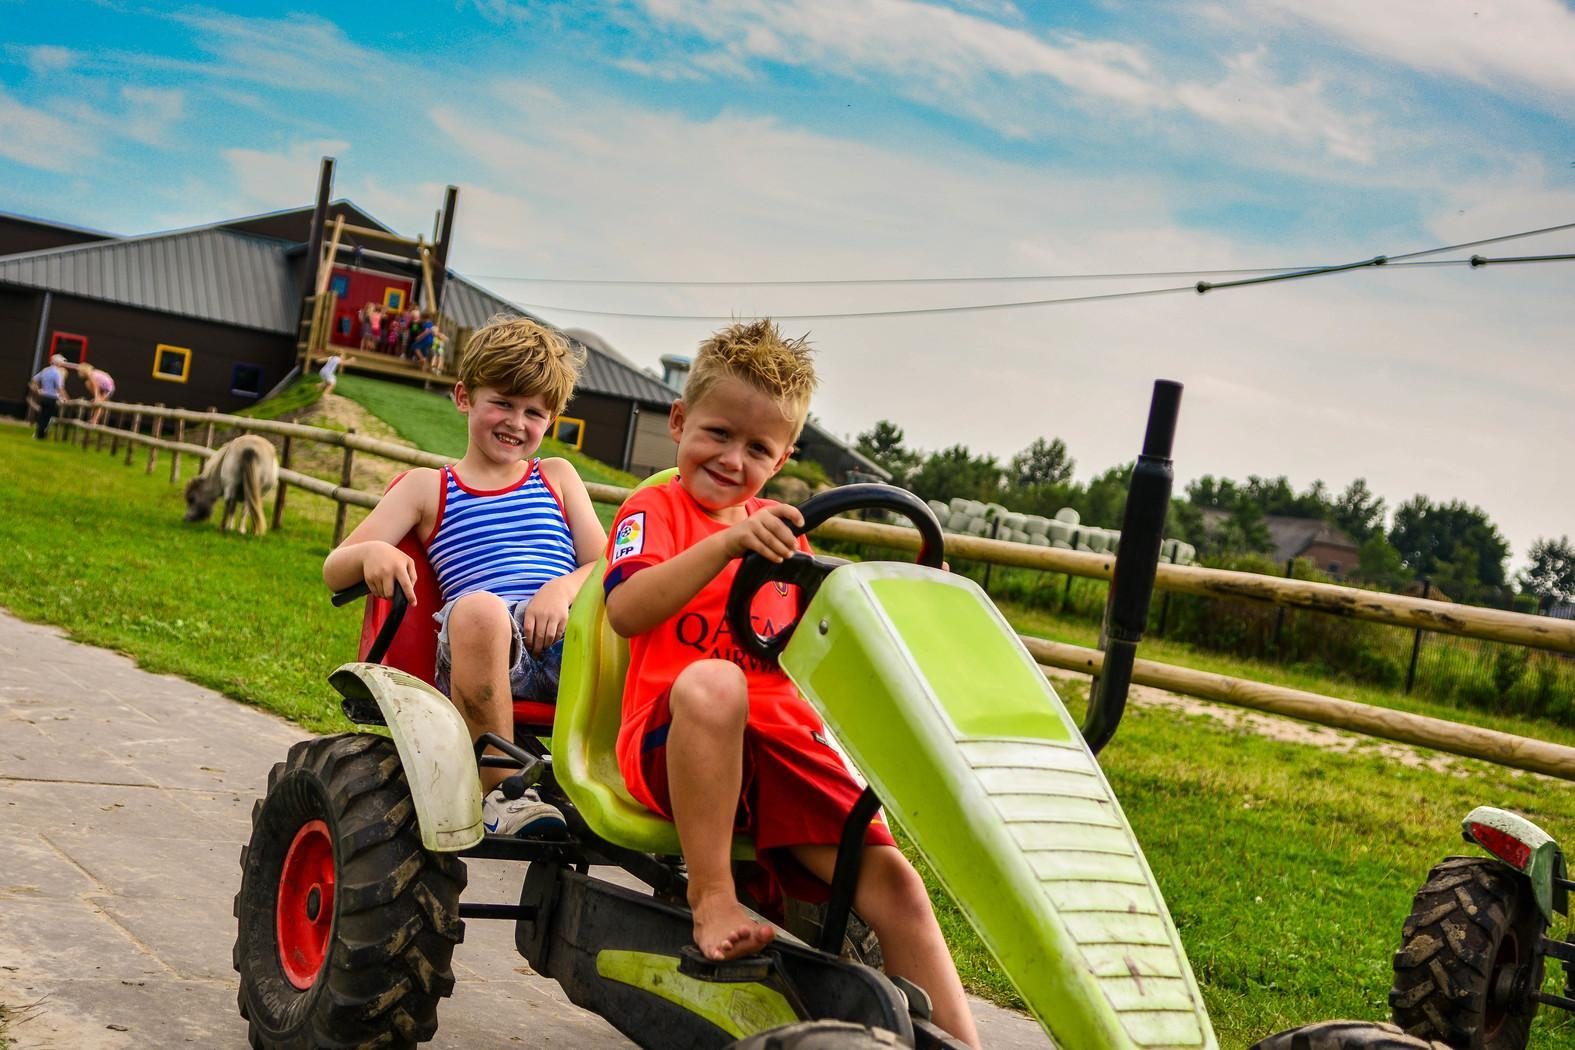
column 212, row 317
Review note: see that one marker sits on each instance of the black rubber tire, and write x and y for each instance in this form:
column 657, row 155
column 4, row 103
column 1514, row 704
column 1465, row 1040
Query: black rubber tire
column 396, row 906
column 821, row 1035
column 1472, row 925
column 1345, row 1035
column 803, row 920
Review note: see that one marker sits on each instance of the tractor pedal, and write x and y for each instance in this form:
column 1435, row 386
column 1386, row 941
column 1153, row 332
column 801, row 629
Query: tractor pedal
column 748, row 970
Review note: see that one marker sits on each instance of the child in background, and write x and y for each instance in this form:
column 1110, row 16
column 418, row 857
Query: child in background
column 716, row 740
column 371, row 326
column 510, row 537
column 100, row 387
column 330, row 371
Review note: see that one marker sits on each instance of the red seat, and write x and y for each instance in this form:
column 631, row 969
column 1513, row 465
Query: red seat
column 414, row 648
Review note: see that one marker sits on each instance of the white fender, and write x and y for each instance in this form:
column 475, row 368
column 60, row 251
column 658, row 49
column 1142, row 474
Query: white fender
column 434, row 747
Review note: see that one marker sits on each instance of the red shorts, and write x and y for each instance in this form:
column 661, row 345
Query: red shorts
column 796, row 792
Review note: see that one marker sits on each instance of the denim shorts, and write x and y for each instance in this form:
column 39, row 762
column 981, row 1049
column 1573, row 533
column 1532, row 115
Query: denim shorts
column 531, row 677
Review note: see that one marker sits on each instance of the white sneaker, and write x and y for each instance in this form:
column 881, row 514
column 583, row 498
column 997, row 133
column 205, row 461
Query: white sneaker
column 522, row 817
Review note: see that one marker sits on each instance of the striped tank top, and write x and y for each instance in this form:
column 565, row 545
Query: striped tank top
column 508, row 542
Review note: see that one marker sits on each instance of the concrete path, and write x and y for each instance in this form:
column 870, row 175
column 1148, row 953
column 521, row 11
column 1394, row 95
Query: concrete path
column 125, row 798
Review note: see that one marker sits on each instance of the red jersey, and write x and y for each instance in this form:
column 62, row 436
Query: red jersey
column 652, row 526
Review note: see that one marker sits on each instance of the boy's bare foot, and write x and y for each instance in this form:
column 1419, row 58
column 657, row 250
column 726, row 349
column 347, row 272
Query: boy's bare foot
column 724, row 930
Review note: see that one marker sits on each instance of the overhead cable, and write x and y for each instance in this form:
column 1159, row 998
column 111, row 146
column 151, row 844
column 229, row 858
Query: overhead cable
column 1202, row 286
column 995, row 279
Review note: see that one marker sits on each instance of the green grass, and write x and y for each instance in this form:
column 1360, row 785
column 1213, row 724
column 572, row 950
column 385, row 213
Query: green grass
column 1288, row 869
column 303, row 393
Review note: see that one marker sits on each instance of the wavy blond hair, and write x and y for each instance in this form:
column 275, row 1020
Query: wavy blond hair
column 515, row 355
column 758, row 354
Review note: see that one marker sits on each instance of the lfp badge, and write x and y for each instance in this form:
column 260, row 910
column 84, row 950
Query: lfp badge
column 630, row 537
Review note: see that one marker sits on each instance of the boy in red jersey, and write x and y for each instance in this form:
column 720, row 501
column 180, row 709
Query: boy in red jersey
column 712, row 738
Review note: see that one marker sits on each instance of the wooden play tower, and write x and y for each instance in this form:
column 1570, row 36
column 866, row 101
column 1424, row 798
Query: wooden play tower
column 350, row 265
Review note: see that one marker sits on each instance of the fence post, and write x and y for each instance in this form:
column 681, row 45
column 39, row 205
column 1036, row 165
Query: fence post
column 1279, row 614
column 344, row 479
column 157, row 432
column 180, row 436
column 100, row 446
column 1164, row 605
column 114, row 433
column 136, row 426
column 995, row 532
column 207, row 437
column 278, row 499
column 1416, row 642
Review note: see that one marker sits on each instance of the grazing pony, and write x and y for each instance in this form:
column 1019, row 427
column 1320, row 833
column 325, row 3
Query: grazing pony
column 243, row 470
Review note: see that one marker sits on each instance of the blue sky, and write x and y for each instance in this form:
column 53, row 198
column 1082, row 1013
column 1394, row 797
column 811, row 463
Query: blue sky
column 787, row 139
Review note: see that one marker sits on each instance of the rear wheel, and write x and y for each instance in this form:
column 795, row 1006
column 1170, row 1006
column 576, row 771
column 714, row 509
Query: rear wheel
column 1469, row 959
column 1345, row 1035
column 346, row 925
column 803, row 920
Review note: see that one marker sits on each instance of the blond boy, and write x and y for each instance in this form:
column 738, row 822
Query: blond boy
column 719, row 742
column 510, row 538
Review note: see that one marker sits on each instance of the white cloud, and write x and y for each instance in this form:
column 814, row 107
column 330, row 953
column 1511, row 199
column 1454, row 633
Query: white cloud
column 295, row 53
column 265, row 181
column 1010, row 78
column 150, row 112
column 45, row 59
column 1249, row 98
column 1526, row 42
column 38, row 139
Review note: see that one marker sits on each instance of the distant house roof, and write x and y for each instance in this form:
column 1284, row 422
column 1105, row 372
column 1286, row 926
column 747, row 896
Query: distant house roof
column 24, row 233
column 208, row 273
column 1291, row 536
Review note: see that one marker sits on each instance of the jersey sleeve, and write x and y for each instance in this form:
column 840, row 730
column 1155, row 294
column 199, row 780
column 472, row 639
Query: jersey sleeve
column 643, row 534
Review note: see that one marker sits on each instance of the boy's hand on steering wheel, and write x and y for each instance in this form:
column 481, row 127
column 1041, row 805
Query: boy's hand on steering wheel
column 546, row 615
column 767, row 532
column 384, row 567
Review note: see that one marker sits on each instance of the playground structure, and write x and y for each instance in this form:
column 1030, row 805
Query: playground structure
column 351, row 268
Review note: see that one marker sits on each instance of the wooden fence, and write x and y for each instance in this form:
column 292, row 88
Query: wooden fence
column 1397, row 610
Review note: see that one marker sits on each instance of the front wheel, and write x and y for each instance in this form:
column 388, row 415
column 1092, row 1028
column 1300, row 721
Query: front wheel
column 1345, row 1035
column 1469, row 961
column 346, row 924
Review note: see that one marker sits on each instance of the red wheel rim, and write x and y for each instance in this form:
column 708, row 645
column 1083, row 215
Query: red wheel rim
column 1495, row 1012
column 304, row 914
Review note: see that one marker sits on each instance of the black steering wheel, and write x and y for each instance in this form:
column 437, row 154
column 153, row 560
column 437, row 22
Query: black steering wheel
column 806, row 571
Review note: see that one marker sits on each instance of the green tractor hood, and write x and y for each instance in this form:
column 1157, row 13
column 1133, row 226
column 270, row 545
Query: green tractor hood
column 935, row 699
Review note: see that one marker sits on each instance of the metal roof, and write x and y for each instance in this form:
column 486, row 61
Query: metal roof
column 471, row 305
column 207, row 273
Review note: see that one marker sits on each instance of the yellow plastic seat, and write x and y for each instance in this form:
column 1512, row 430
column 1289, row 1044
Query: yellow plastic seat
column 585, row 730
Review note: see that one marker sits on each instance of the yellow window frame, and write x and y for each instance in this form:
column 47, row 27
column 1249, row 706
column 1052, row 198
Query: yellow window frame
column 185, row 367
column 579, row 433
column 393, row 298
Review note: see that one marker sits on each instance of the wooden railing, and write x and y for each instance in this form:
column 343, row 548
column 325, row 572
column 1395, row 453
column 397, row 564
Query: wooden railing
column 1397, row 610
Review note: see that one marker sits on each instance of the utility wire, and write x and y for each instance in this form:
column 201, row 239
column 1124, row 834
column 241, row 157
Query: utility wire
column 1202, row 286
column 997, row 279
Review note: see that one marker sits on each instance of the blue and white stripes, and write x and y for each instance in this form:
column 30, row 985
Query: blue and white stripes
column 508, row 542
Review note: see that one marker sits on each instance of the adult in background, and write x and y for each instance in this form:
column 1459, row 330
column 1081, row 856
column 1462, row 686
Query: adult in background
column 100, row 387
column 48, row 387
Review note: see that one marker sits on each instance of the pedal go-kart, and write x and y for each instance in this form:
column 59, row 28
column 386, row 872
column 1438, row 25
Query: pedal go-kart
column 1469, row 971
column 350, row 901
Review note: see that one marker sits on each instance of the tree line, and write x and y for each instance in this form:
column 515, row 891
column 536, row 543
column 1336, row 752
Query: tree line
column 1453, row 544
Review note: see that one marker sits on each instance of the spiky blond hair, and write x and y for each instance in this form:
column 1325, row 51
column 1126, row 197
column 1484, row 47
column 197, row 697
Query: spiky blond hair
column 758, row 354
column 515, row 355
